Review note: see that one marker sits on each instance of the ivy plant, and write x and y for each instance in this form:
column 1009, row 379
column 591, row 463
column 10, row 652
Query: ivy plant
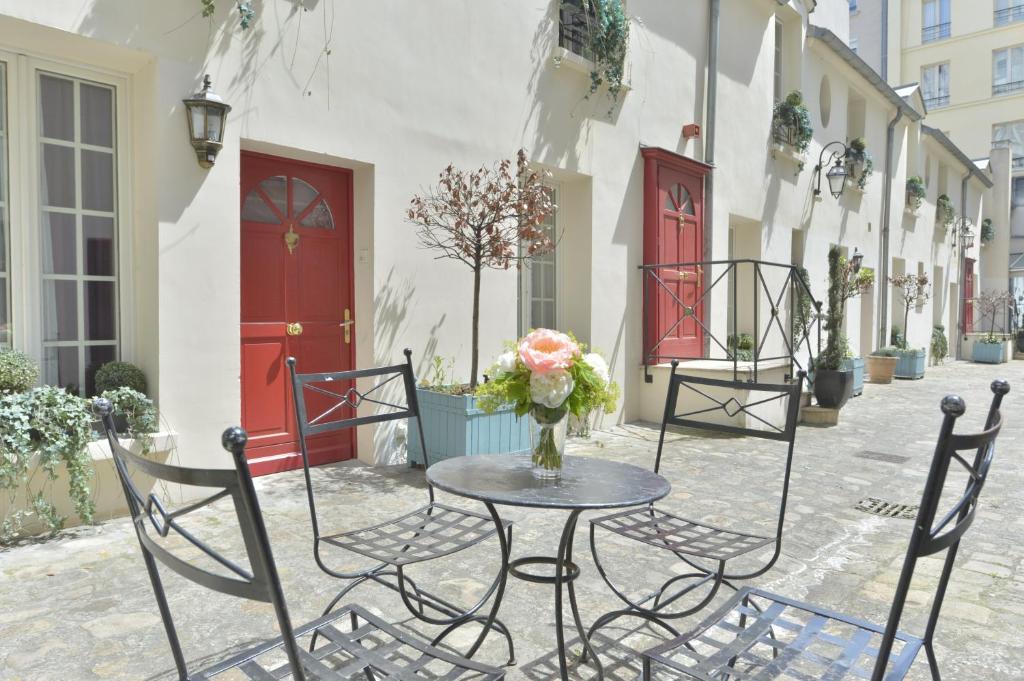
column 988, row 232
column 791, row 115
column 138, row 412
column 944, row 214
column 915, row 192
column 608, row 41
column 859, row 158
column 246, row 13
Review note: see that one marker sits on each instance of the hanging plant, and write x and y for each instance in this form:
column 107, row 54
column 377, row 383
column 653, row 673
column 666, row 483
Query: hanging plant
column 859, row 158
column 608, row 40
column 246, row 13
column 915, row 192
column 944, row 213
column 791, row 122
column 988, row 232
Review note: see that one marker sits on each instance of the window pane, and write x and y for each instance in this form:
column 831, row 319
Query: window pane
column 97, row 180
column 60, row 310
column 302, row 195
column 58, row 176
column 213, row 123
column 100, row 319
column 59, row 243
column 95, row 357
column 276, row 189
column 57, row 107
column 98, row 242
column 5, row 337
column 60, row 367
column 97, row 115
column 319, row 217
column 3, row 241
column 255, row 209
column 999, row 67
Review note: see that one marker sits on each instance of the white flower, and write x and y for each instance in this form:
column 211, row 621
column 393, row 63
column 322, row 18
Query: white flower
column 597, row 363
column 506, row 362
column 551, row 388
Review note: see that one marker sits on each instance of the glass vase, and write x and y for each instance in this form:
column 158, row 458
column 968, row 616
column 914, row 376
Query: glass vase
column 547, row 440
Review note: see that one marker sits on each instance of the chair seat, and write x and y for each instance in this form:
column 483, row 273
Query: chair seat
column 369, row 644
column 759, row 635
column 430, row 532
column 670, row 532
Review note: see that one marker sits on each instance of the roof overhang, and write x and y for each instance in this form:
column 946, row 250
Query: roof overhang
column 970, row 166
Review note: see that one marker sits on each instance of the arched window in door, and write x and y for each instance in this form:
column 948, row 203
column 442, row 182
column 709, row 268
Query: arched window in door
column 678, row 200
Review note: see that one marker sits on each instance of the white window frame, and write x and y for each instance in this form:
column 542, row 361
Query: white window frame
column 525, row 291
column 938, row 67
column 24, row 230
column 778, row 62
column 1011, row 76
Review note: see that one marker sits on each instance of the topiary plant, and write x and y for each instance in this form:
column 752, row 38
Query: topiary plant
column 114, row 375
column 18, row 372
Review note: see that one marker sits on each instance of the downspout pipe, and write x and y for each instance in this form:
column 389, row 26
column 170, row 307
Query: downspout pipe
column 711, row 104
column 962, row 267
column 883, row 280
column 885, row 41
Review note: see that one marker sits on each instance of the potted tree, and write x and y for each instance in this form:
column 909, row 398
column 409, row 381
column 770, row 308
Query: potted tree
column 913, row 291
column 990, row 349
column 833, row 385
column 486, row 218
column 882, row 363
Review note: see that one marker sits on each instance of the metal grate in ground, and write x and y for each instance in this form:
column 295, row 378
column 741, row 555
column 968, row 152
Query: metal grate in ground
column 881, row 456
column 887, row 509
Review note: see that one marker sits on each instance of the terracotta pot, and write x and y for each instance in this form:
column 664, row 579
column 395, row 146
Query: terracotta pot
column 880, row 369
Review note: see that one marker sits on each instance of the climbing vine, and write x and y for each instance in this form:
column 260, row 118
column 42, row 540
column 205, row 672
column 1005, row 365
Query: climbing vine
column 246, row 13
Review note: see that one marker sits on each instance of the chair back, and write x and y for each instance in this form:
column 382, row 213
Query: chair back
column 165, row 539
column 933, row 532
column 328, row 403
column 717, row 398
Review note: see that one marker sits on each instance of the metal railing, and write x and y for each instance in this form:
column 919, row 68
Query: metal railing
column 937, row 102
column 574, row 26
column 936, row 32
column 788, row 331
column 1005, row 88
column 1009, row 15
column 784, row 134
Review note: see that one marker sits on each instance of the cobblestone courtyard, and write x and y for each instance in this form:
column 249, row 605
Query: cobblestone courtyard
column 80, row 607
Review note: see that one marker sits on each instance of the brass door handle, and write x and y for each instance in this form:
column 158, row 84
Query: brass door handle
column 347, row 325
column 699, row 274
column 293, row 329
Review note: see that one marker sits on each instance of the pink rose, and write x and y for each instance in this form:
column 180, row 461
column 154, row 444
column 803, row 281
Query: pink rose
column 544, row 350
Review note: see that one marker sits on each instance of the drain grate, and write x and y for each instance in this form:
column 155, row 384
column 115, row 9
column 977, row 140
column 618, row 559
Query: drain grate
column 880, row 456
column 886, row 509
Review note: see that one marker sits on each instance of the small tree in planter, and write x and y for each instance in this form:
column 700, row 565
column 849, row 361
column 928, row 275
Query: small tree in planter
column 486, row 218
column 832, row 385
column 859, row 158
column 915, row 192
column 989, row 350
column 913, row 291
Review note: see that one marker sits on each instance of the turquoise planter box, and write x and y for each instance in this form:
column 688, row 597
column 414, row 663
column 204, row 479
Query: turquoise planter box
column 856, row 365
column 454, row 426
column 910, row 365
column 988, row 353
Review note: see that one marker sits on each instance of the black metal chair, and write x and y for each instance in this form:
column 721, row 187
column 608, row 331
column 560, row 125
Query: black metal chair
column 354, row 644
column 759, row 635
column 689, row 540
column 426, row 533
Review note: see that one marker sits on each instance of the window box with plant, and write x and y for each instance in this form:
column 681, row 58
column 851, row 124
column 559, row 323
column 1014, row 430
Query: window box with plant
column 791, row 127
column 859, row 164
column 944, row 213
column 593, row 36
column 991, row 349
column 489, row 218
column 988, row 232
column 47, row 463
column 916, row 191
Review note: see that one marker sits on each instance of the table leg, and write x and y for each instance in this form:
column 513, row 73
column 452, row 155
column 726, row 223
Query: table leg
column 565, row 558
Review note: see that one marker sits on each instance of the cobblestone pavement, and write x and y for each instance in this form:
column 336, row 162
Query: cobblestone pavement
column 80, row 607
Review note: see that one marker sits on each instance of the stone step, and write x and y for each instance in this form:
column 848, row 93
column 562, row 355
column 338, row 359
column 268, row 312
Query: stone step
column 819, row 416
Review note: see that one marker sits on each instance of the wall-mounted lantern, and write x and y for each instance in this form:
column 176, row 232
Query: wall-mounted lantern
column 856, row 260
column 207, row 114
column 836, row 175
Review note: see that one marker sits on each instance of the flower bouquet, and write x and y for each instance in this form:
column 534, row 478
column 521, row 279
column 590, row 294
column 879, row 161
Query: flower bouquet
column 547, row 375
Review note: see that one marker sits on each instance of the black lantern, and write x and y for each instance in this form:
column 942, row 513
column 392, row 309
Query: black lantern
column 836, row 175
column 856, row 260
column 967, row 238
column 207, row 114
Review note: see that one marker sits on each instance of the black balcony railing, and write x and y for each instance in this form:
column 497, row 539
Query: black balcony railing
column 937, row 102
column 784, row 134
column 936, row 32
column 575, row 19
column 779, row 312
column 1009, row 15
column 1006, row 88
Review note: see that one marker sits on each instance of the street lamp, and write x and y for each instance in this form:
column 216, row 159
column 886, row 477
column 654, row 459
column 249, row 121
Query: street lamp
column 207, row 114
column 964, row 234
column 836, row 175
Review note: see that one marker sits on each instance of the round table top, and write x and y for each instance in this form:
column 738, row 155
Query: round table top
column 508, row 480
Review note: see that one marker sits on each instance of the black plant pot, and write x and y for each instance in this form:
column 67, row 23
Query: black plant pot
column 832, row 388
column 1020, row 341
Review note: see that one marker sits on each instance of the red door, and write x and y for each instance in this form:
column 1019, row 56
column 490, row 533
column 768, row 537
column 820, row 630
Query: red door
column 296, row 297
column 674, row 238
column 968, row 295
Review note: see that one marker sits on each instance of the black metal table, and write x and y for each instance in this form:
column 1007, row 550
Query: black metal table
column 586, row 483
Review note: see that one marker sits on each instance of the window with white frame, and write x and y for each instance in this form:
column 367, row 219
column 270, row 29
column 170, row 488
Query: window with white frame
column 777, row 83
column 1008, row 70
column 538, row 280
column 1008, row 11
column 935, row 20
column 61, row 203
column 935, row 85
